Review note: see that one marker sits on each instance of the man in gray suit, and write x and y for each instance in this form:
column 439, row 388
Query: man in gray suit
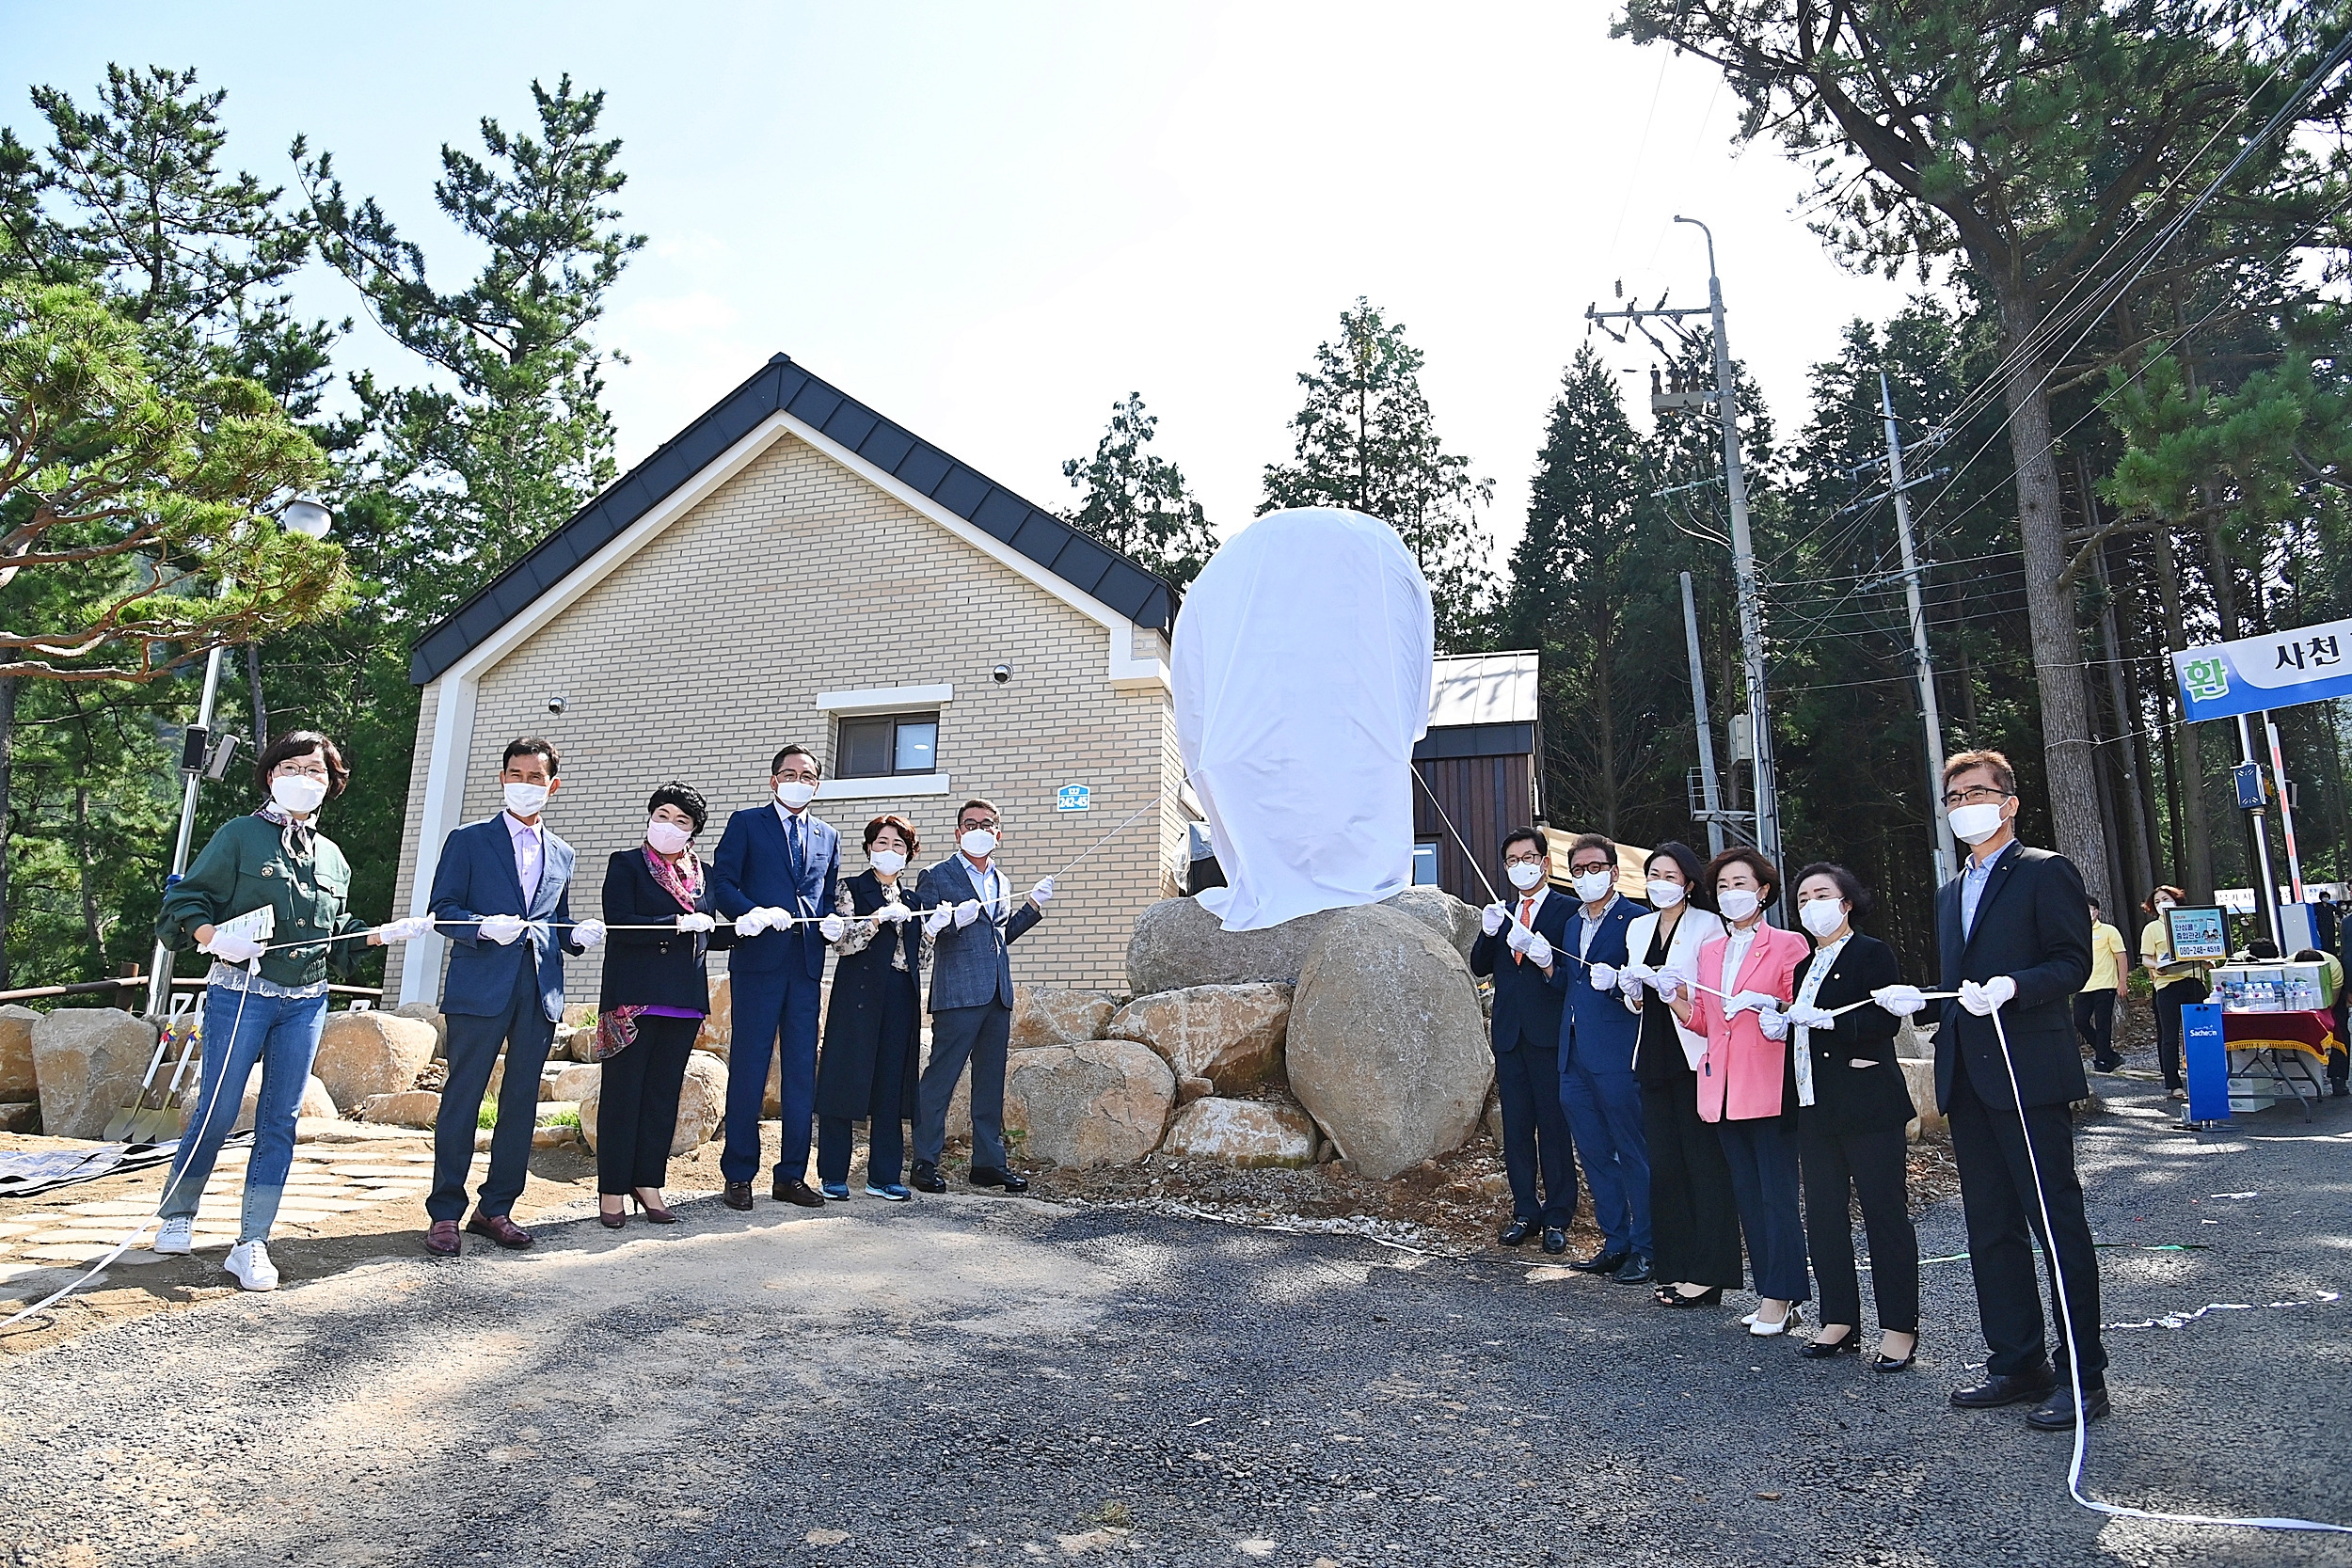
column 972, row 921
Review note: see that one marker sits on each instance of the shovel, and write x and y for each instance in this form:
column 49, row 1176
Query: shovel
column 140, row 1122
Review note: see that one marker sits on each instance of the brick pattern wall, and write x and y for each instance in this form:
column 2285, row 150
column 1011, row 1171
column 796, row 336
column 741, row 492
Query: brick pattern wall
column 704, row 652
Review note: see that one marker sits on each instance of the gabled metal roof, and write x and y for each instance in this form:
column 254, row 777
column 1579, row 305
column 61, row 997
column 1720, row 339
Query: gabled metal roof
column 1086, row 565
column 1483, row 688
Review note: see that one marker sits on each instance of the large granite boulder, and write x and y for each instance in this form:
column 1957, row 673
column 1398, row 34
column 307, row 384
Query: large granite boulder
column 426, row 1012
column 1387, row 1048
column 1050, row 1015
column 574, row 1081
column 364, row 1055
column 318, row 1103
column 1229, row 1034
column 1248, row 1132
column 1103, row 1102
column 90, row 1063
column 409, row 1108
column 719, row 1024
column 1178, row 943
column 17, row 1083
column 702, row 1100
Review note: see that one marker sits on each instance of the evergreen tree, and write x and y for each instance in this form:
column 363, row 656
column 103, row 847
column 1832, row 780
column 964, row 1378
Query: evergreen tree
column 1135, row 501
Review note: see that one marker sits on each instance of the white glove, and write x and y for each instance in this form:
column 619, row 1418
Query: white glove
column 1983, row 1000
column 1813, row 1018
column 501, row 928
column 589, row 934
column 1746, row 999
column 232, row 948
column 833, row 927
column 1604, row 976
column 897, row 914
column 2001, row 989
column 966, row 912
column 1668, row 984
column 696, row 923
column 1538, row 951
column 939, row 918
column 407, row 930
column 1902, row 1001
column 751, row 923
column 1492, row 920
column 1521, row 937
column 1043, row 892
column 1632, row 978
column 1773, row 1025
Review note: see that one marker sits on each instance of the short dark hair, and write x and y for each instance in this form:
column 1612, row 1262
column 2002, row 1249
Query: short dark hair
column 987, row 806
column 1849, row 886
column 1686, row 861
column 906, row 831
column 2262, row 947
column 685, row 798
column 301, row 743
column 795, row 750
column 1527, row 836
column 1593, row 841
column 1766, row 872
column 2310, row 956
column 2003, row 774
column 532, row 746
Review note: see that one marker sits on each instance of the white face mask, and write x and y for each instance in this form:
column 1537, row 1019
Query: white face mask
column 795, row 794
column 1594, row 886
column 666, row 838
column 1737, row 903
column 1525, row 875
column 2162, row 904
column 297, row 793
column 525, row 800
column 1821, row 917
column 1974, row 824
column 1665, row 895
column 889, row 862
column 980, row 843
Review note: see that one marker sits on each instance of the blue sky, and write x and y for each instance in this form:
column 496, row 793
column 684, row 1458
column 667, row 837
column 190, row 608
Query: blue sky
column 990, row 221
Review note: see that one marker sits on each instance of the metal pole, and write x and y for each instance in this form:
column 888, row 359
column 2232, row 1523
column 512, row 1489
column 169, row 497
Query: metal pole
column 2258, row 848
column 2286, row 810
column 1708, row 793
column 159, row 979
column 1942, row 833
column 1743, row 567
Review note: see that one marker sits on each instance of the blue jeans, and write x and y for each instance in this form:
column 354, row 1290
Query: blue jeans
column 283, row 1034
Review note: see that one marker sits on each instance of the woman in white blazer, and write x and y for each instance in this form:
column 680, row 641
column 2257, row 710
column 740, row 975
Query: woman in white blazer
column 1694, row 1220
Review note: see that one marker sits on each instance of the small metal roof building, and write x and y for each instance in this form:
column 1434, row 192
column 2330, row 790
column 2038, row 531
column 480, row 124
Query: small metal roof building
column 1481, row 762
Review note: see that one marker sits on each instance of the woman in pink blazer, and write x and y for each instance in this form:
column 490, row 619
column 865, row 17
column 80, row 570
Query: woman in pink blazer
column 1740, row 1079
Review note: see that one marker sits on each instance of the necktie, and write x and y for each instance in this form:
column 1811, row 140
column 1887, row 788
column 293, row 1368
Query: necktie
column 1527, row 917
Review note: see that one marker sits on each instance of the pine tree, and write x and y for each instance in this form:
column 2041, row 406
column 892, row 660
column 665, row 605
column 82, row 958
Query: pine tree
column 1135, row 500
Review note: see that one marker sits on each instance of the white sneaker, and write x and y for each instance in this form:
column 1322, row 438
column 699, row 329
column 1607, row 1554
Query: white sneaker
column 176, row 1237
column 249, row 1261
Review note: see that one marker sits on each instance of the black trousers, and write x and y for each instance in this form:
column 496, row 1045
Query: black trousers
column 1535, row 1135
column 2169, row 1001
column 526, row 1032
column 1871, row 1165
column 2094, row 1021
column 1997, row 1195
column 637, row 1104
column 1694, row 1222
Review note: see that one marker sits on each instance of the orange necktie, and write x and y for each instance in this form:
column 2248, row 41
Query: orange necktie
column 1526, row 914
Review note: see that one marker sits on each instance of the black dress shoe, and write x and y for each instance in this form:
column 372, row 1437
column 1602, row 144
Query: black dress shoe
column 1998, row 1391
column 1601, row 1263
column 796, row 1193
column 996, row 1175
column 1711, row 1296
column 1886, row 1362
column 739, row 1196
column 1517, row 1233
column 924, row 1178
column 2056, row 1413
column 1555, row 1241
column 1822, row 1350
column 1635, row 1272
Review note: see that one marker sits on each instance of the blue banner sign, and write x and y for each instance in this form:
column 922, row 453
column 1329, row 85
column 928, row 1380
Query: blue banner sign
column 2208, row 1062
column 2312, row 664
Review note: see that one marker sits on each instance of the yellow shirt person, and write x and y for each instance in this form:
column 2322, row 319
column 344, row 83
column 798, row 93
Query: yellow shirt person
column 2108, row 956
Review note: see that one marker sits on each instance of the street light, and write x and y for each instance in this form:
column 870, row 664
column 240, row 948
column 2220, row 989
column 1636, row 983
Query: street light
column 305, row 516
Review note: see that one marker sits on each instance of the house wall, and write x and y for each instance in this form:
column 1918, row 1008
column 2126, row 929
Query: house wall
column 1483, row 797
column 704, row 652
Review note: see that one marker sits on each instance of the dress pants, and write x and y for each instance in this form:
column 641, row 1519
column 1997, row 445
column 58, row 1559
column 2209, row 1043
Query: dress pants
column 637, row 1104
column 282, row 1032
column 1604, row 1108
column 1996, row 1197
column 1692, row 1216
column 1536, row 1152
column 526, row 1031
column 2169, row 1001
column 979, row 1035
column 775, row 1013
column 1762, row 1154
column 1872, row 1164
column 2094, row 1020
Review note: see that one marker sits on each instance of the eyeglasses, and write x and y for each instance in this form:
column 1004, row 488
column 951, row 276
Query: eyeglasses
column 1974, row 795
column 1587, row 870
column 296, row 769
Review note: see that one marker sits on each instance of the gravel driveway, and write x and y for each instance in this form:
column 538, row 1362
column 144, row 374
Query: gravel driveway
column 997, row 1381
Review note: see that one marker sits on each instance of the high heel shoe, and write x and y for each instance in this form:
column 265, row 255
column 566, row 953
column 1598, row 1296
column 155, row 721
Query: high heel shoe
column 1763, row 1330
column 1822, row 1350
column 1886, row 1362
column 612, row 1219
column 653, row 1212
column 1709, row 1297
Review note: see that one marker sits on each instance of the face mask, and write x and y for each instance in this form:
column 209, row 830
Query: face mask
column 666, row 838
column 1974, row 824
column 297, row 793
column 1594, row 886
column 1526, row 874
column 1737, row 903
column 1821, row 917
column 525, row 800
column 2162, row 904
column 795, row 795
column 889, row 862
column 1665, row 895
column 980, row 843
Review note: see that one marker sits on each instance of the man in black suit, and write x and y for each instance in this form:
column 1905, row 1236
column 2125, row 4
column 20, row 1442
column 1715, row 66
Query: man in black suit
column 1517, row 946
column 2014, row 928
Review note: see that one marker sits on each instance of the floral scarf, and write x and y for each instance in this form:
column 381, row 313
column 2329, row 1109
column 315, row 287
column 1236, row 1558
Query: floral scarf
column 616, row 1027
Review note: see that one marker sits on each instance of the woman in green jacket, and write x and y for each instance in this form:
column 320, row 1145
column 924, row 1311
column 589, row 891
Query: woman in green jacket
column 265, row 999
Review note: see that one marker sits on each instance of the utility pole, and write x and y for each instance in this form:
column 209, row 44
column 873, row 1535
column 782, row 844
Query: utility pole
column 1742, row 546
column 1712, row 800
column 1942, row 833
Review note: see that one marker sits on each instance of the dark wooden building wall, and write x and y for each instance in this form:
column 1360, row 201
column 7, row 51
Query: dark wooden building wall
column 1485, row 797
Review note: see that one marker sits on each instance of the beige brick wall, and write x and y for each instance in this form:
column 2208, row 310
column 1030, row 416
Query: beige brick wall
column 704, row 652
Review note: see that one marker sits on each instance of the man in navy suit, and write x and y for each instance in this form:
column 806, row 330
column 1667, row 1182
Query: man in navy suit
column 501, row 893
column 972, row 923
column 1596, row 1082
column 775, row 874
column 1518, row 946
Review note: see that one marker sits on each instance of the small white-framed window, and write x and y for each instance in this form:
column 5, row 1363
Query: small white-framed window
column 1425, row 864
column 886, row 745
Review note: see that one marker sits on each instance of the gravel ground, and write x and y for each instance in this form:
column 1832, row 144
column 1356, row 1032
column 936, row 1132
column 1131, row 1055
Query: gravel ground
column 1000, row 1381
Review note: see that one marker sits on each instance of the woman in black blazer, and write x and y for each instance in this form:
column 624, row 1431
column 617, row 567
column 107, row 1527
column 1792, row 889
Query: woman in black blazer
column 873, row 1026
column 1852, row 1106
column 655, row 995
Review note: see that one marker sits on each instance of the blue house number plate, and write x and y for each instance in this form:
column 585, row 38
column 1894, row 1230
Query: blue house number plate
column 1075, row 798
